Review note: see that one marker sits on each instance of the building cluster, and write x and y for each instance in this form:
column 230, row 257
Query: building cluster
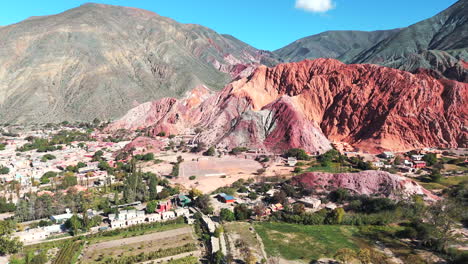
column 164, row 211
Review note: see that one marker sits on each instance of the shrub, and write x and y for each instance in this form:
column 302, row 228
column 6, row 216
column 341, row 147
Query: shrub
column 297, row 153
column 192, row 177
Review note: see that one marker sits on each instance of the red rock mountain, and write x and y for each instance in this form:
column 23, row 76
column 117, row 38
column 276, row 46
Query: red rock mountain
column 309, row 103
column 367, row 182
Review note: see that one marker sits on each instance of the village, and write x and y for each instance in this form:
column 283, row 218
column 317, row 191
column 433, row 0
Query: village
column 204, row 187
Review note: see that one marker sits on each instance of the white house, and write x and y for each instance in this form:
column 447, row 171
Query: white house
column 168, row 215
column 417, row 157
column 292, row 161
column 388, row 155
column 182, row 212
column 62, row 217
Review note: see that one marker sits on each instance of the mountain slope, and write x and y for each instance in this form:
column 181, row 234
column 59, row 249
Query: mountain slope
column 439, row 43
column 310, row 103
column 342, row 45
column 100, row 60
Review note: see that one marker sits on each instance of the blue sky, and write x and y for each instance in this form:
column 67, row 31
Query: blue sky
column 265, row 24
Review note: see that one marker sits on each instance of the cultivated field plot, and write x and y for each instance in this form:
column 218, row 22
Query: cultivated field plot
column 299, row 242
column 241, row 235
column 133, row 246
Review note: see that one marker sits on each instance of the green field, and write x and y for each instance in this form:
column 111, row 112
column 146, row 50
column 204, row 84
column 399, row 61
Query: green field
column 333, row 168
column 445, row 182
column 300, row 242
column 305, row 243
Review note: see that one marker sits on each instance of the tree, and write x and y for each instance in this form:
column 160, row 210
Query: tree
column 4, row 170
column 297, row 153
column 430, row 159
column 227, row 215
column 253, row 196
column 336, row 216
column 153, row 185
column 175, row 170
column 203, row 202
column 242, row 212
column 397, row 160
column 435, row 175
column 297, row 170
column 219, row 258
column 338, row 195
column 298, row 208
column 180, row 159
column 194, row 193
column 210, row 152
column 74, row 224
column 69, row 180
column 151, row 207
column 8, row 245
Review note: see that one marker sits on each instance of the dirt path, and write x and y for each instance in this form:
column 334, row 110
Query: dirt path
column 139, row 239
column 183, row 255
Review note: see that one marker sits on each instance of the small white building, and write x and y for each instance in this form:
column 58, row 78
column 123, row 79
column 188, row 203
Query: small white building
column 168, row 215
column 154, row 217
column 378, row 164
column 417, row 157
column 310, row 202
column 182, row 212
column 292, row 161
column 388, row 155
column 62, row 217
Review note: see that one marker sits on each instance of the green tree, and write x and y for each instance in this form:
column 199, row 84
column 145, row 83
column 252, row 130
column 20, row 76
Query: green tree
column 69, row 181
column 203, row 202
column 435, row 175
column 74, row 224
column 430, row 159
column 151, row 207
column 4, row 170
column 153, row 184
column 297, row 153
column 210, row 152
column 336, row 216
column 8, row 245
column 242, row 212
column 227, row 215
column 219, row 258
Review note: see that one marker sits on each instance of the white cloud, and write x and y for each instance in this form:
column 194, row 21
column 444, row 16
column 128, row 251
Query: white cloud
column 317, row 6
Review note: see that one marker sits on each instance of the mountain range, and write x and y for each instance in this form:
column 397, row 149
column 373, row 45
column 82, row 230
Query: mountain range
column 101, row 60
column 310, row 104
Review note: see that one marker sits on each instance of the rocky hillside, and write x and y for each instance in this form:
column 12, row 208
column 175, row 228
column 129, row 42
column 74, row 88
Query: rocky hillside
column 367, row 183
column 439, row 43
column 310, row 103
column 100, row 61
column 342, row 45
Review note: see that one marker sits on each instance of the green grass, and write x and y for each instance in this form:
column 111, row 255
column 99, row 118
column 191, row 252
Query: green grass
column 334, row 167
column 445, row 182
column 305, row 243
column 301, row 242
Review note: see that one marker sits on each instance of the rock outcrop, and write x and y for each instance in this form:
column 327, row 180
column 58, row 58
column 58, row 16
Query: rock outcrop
column 306, row 104
column 379, row 183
